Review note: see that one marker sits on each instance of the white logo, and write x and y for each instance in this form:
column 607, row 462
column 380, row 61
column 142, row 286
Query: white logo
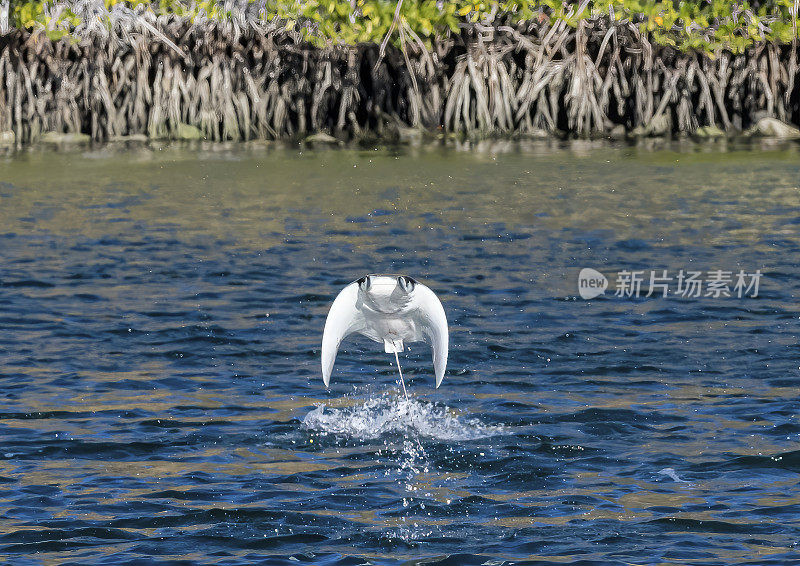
column 591, row 283
column 717, row 283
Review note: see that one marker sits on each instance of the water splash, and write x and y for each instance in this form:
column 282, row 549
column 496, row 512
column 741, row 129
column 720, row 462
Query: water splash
column 672, row 474
column 389, row 414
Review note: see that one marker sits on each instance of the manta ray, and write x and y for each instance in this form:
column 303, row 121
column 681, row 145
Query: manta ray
column 389, row 309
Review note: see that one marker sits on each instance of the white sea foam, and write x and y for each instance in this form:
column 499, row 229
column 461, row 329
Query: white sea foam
column 387, row 414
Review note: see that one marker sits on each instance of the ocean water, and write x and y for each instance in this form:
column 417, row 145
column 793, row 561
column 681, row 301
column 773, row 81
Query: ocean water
column 161, row 312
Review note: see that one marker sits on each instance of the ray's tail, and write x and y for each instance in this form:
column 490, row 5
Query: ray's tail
column 400, row 371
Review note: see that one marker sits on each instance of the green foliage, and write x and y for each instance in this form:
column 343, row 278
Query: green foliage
column 34, row 14
column 703, row 25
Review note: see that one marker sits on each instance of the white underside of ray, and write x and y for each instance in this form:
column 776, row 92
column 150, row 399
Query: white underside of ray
column 388, row 315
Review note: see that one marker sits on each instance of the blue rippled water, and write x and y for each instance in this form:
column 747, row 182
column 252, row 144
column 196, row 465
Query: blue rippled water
column 161, row 311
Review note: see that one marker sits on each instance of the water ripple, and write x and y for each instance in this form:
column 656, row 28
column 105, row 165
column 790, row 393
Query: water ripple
column 159, row 358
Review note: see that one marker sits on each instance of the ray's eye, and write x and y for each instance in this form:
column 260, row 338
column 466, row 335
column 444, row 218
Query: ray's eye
column 406, row 283
column 365, row 283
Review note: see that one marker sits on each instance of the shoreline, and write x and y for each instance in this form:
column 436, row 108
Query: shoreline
column 602, row 79
column 497, row 145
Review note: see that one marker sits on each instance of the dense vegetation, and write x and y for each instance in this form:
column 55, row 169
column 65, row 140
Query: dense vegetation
column 243, row 70
column 703, row 25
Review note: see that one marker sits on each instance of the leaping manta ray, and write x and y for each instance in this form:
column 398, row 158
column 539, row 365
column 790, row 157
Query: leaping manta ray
column 391, row 309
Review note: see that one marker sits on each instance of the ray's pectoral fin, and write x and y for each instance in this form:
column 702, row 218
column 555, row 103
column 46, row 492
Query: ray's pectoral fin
column 434, row 329
column 343, row 319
